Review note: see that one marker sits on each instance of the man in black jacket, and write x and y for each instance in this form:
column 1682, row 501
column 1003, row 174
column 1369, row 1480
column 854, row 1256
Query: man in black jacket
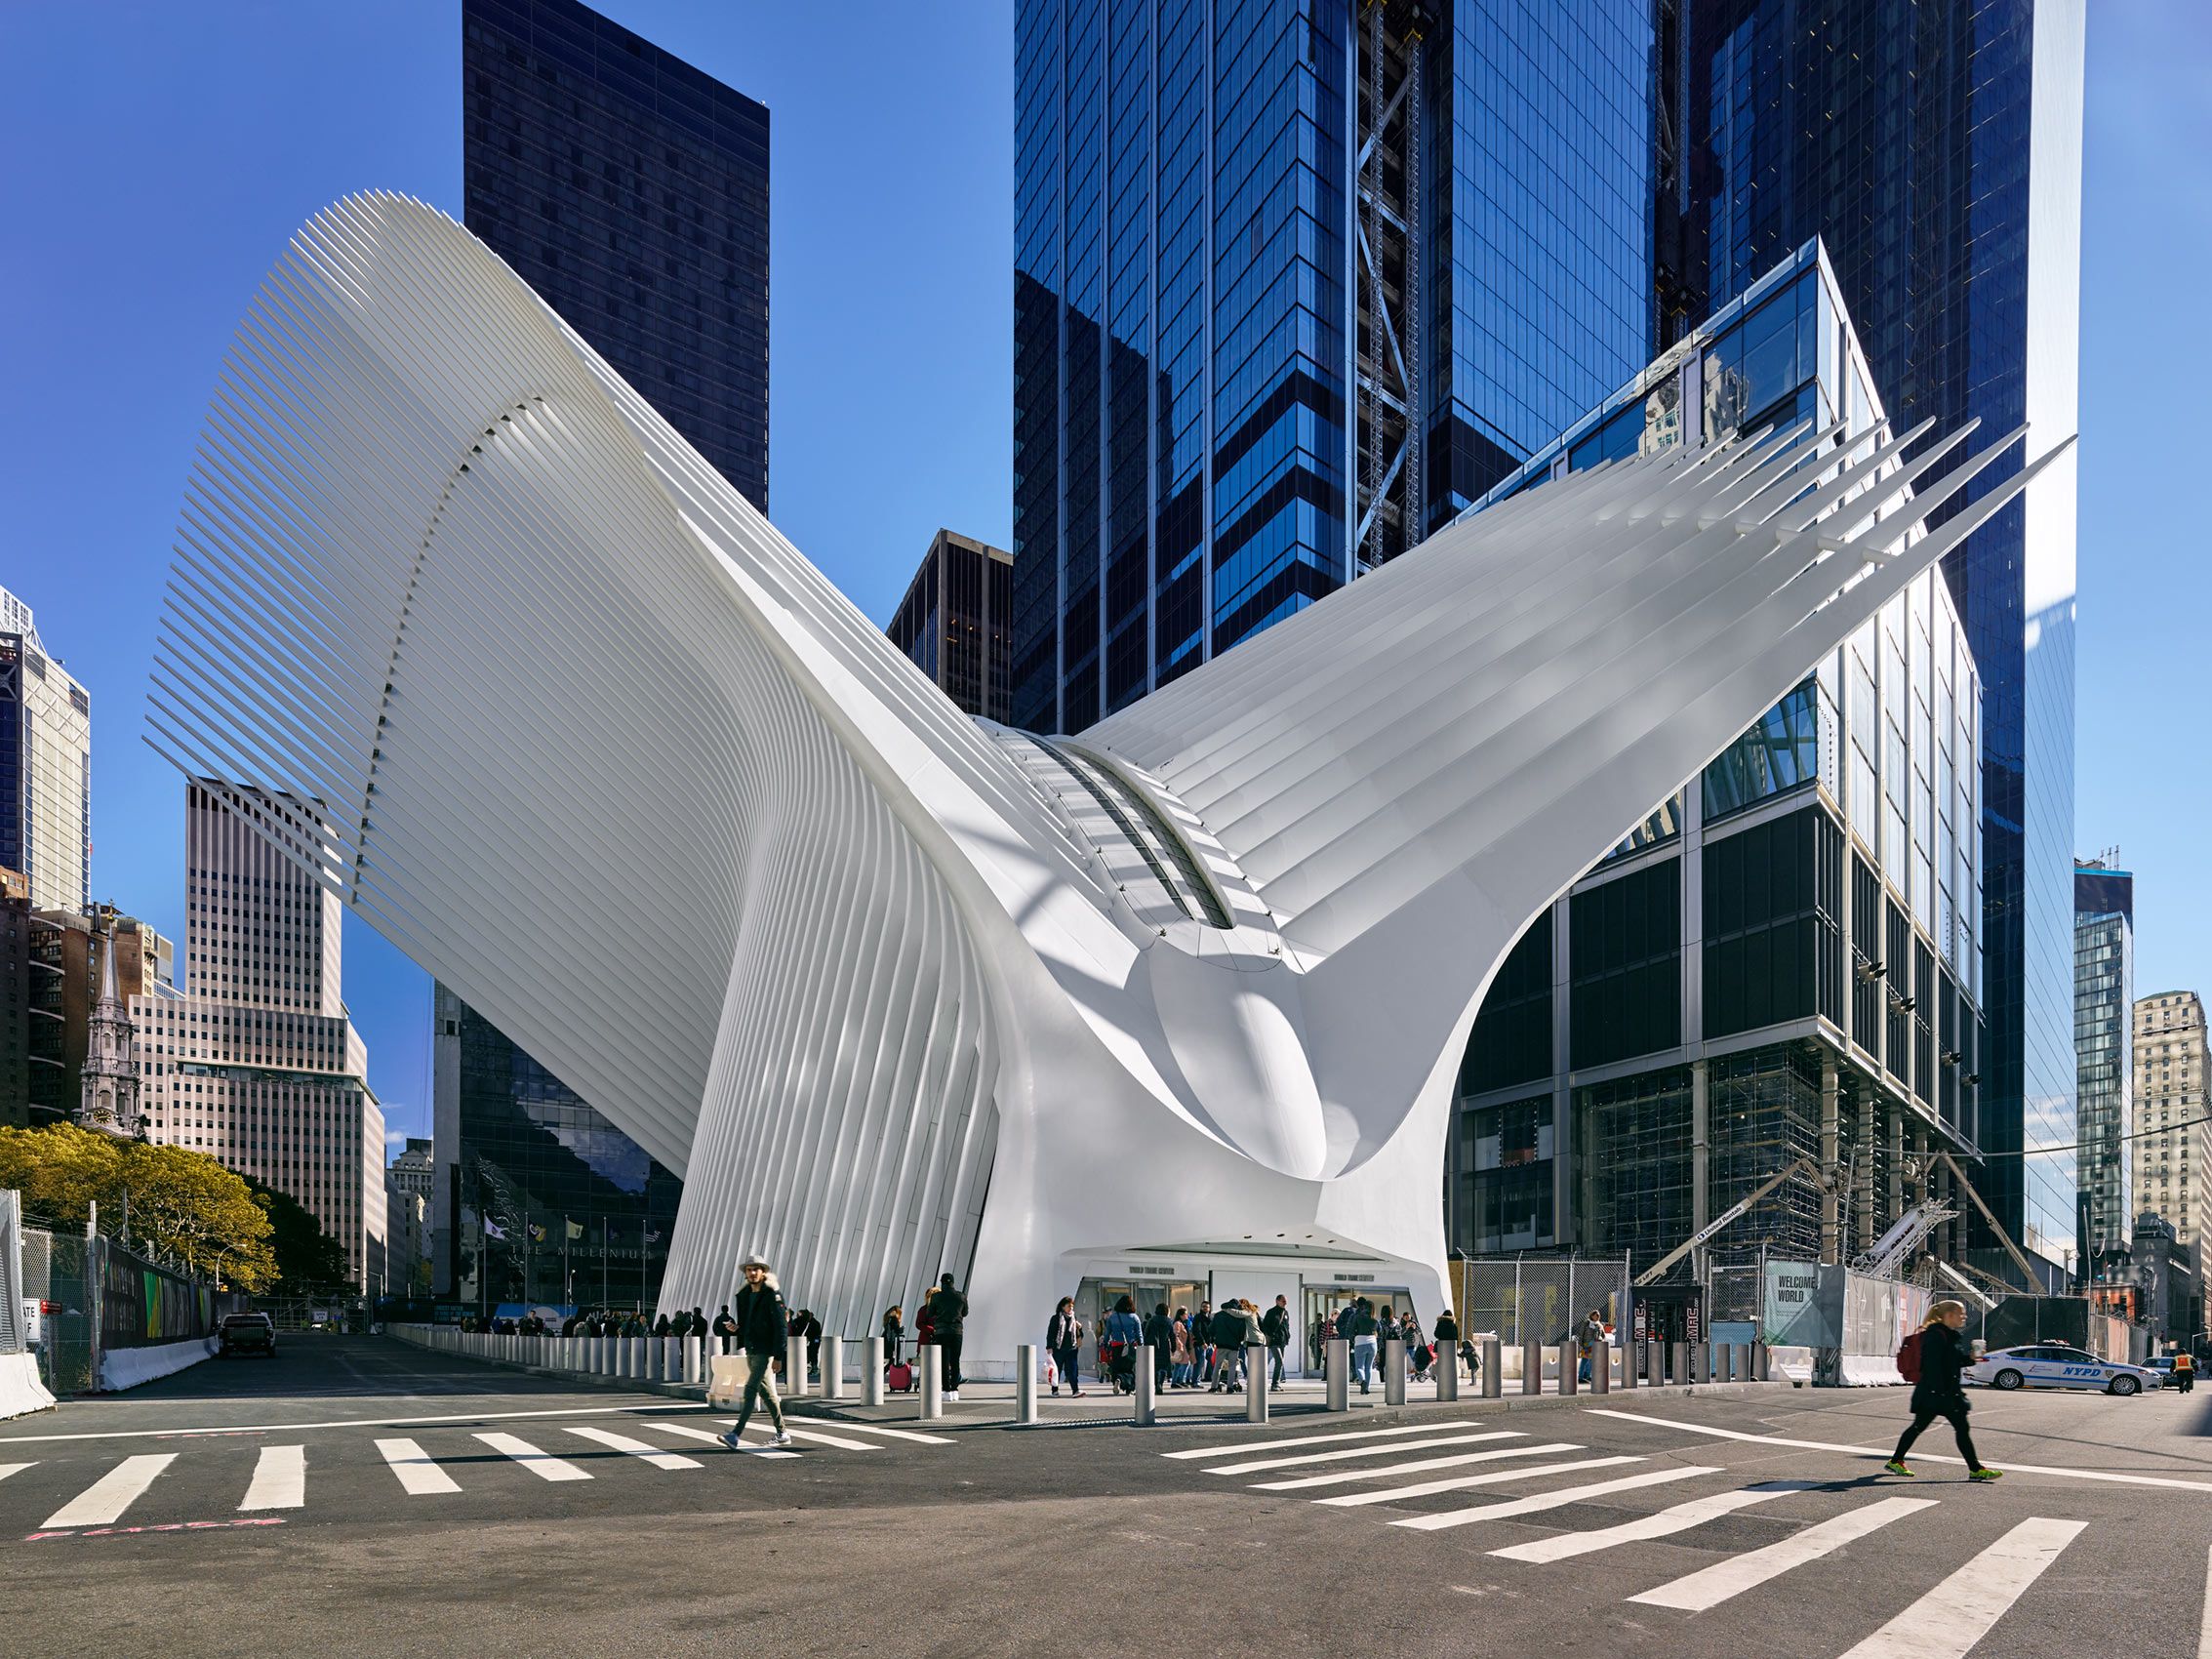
column 1945, row 1352
column 1274, row 1325
column 760, row 1325
column 725, row 1328
column 1159, row 1337
column 950, row 1309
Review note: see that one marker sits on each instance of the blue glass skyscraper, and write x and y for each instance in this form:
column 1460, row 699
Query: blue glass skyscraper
column 1295, row 282
column 1936, row 151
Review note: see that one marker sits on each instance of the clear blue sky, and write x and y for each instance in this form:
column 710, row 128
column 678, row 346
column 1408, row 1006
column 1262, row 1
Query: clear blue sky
column 159, row 156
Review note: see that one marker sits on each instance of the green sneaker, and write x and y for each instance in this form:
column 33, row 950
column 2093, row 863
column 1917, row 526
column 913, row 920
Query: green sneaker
column 1986, row 1475
column 1896, row 1466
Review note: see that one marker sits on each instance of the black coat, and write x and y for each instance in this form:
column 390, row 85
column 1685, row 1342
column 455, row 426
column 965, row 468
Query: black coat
column 1064, row 1331
column 1944, row 1353
column 1447, row 1330
column 949, row 1309
column 1274, row 1325
column 762, row 1323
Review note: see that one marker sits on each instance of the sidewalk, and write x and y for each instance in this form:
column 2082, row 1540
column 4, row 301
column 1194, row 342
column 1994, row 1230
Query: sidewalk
column 991, row 1404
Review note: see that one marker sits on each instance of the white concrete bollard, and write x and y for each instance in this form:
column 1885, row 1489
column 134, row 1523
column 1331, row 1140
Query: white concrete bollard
column 794, row 1367
column 1026, row 1382
column 1393, row 1370
column 1336, row 1361
column 871, row 1375
column 1254, row 1382
column 832, row 1367
column 693, row 1373
column 1148, row 1387
column 933, row 1380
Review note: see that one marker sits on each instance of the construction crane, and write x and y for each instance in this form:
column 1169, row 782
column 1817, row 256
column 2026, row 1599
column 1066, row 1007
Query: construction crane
column 1658, row 1269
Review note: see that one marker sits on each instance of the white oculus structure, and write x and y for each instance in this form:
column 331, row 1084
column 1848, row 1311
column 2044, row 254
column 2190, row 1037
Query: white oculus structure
column 896, row 990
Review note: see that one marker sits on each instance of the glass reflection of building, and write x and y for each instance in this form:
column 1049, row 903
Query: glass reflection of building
column 2104, row 1000
column 538, row 1198
column 1936, row 151
column 1294, row 283
column 1782, row 963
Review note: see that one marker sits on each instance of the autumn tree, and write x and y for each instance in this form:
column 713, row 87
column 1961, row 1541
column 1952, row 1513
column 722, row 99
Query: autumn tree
column 176, row 1201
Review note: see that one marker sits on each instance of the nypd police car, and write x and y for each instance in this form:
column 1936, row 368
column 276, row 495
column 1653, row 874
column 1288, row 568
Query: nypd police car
column 2056, row 1365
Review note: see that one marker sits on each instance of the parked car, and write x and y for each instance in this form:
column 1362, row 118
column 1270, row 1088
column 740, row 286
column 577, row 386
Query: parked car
column 2056, row 1365
column 246, row 1333
column 2164, row 1364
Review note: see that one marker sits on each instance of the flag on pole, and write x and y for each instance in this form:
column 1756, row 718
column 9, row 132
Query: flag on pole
column 575, row 1228
column 493, row 1229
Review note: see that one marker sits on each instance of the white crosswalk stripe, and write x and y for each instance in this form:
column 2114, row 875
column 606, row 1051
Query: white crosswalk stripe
column 843, row 1442
column 1711, row 1585
column 1307, row 1440
column 1948, row 1621
column 1392, row 1471
column 1550, row 1500
column 1461, row 1482
column 542, row 1464
column 280, row 1479
column 8, row 1469
column 102, row 1503
column 636, row 1448
column 1665, row 1524
column 1343, row 1453
column 418, row 1472
column 896, row 1434
column 758, row 1448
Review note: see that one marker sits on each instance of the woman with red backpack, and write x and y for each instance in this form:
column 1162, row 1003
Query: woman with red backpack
column 1931, row 1359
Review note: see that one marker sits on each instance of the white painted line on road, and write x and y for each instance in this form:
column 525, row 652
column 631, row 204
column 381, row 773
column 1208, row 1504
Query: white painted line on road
column 1711, row 1585
column 1344, row 1454
column 1461, row 1482
column 2204, row 1632
column 542, row 1464
column 798, row 1433
column 636, row 1448
column 106, row 1498
column 1345, row 1477
column 1665, row 1524
column 1303, row 1441
column 357, row 1423
column 418, row 1472
column 1880, row 1454
column 280, row 1479
column 758, row 1448
column 894, row 1434
column 1558, row 1499
column 1953, row 1617
column 8, row 1469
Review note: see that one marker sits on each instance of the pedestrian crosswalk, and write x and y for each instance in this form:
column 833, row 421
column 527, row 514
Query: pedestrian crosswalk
column 1573, row 1496
column 449, row 1462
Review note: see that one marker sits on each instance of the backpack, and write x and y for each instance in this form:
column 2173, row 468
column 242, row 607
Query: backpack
column 1909, row 1357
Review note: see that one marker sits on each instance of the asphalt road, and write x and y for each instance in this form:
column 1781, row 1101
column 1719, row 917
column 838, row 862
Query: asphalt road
column 355, row 1496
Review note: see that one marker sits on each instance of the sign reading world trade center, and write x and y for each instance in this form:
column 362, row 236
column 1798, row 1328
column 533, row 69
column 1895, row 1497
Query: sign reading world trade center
column 899, row 993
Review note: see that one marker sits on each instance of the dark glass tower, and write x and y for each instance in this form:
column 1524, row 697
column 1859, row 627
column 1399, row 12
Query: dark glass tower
column 1296, row 281
column 630, row 190
column 1935, row 149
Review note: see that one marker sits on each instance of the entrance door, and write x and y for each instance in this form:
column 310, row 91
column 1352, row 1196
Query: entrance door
column 1095, row 1299
column 1324, row 1302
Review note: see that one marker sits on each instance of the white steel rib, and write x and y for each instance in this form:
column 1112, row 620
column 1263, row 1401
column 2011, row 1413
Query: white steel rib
column 895, row 990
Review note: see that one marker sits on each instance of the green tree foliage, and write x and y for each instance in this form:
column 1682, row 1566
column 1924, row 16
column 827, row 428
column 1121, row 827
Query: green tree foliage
column 178, row 1201
column 308, row 1260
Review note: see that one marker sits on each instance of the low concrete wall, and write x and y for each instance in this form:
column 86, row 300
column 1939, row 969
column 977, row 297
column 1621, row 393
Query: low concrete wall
column 128, row 1367
column 21, row 1390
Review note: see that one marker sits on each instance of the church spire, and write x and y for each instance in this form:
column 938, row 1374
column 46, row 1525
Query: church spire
column 110, row 1097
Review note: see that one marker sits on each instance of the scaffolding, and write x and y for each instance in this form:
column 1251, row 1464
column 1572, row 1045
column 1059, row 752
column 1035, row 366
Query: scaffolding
column 1391, row 327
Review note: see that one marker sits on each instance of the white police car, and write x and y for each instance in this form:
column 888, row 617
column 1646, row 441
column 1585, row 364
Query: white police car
column 2055, row 1365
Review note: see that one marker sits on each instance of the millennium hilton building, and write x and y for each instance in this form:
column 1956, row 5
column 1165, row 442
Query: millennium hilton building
column 630, row 189
column 1782, row 963
column 897, row 991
